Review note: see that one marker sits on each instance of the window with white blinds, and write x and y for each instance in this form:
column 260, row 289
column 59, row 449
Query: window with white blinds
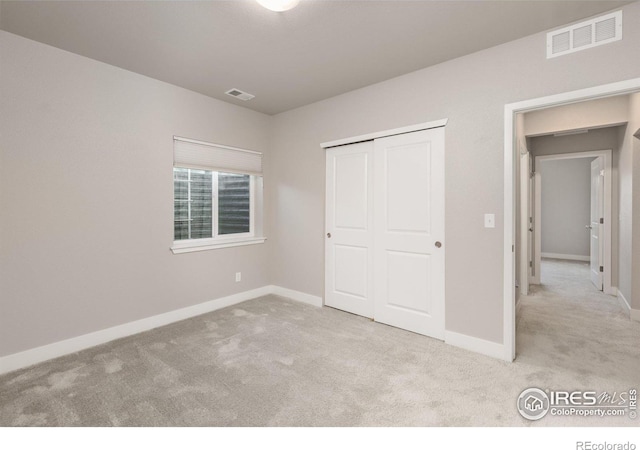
column 216, row 189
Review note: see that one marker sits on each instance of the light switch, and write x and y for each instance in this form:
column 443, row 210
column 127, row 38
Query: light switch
column 489, row 220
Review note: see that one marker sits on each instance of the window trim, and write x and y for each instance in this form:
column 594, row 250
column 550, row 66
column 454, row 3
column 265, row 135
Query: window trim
column 226, row 240
column 197, row 245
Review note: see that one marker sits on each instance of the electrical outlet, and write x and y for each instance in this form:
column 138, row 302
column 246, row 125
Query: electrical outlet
column 238, row 276
column 489, row 220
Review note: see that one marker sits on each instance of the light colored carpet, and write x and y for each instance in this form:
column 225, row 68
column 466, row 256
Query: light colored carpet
column 272, row 361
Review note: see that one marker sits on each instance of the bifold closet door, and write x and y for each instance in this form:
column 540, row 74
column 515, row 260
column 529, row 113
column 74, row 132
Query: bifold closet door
column 349, row 228
column 409, row 231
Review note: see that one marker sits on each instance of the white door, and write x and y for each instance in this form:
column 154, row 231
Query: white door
column 525, row 185
column 531, row 222
column 596, row 225
column 349, row 228
column 409, row 231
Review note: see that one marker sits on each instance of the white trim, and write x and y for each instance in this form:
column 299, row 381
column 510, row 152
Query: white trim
column 385, row 133
column 525, row 195
column 488, row 348
column 509, row 254
column 198, row 245
column 297, row 295
column 624, row 303
column 567, row 257
column 32, row 356
column 607, row 90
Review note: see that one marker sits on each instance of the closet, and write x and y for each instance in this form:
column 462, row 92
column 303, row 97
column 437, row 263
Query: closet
column 385, row 252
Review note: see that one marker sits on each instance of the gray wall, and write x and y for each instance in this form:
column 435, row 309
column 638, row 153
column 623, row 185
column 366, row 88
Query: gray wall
column 566, row 206
column 86, row 195
column 599, row 139
column 471, row 92
column 634, row 127
column 629, row 207
column 586, row 114
column 86, row 191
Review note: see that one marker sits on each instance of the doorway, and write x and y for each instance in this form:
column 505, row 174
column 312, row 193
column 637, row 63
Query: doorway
column 511, row 168
column 572, row 213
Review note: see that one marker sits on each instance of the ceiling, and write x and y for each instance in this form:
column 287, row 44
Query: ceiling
column 318, row 50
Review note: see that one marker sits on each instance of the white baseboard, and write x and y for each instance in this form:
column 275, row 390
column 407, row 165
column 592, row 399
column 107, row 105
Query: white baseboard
column 624, row 303
column 296, row 295
column 563, row 256
column 32, row 356
column 634, row 314
column 477, row 345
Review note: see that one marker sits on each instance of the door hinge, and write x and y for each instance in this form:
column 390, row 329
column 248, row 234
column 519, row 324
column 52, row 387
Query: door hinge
column 601, row 219
column 601, row 269
column 530, row 263
column 513, row 248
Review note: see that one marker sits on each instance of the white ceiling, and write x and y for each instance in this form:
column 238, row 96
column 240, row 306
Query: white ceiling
column 315, row 51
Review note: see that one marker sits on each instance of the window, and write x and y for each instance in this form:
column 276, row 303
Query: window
column 216, row 193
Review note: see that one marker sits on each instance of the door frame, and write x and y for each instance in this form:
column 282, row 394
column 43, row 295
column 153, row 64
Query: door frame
column 510, row 111
column 608, row 201
column 525, row 225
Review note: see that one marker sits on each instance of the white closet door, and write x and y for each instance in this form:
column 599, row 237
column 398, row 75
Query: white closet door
column 349, row 228
column 409, row 231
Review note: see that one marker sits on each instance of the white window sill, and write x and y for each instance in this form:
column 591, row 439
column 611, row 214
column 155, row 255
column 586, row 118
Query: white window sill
column 210, row 244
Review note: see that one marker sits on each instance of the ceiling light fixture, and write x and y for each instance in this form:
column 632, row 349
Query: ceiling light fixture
column 279, row 5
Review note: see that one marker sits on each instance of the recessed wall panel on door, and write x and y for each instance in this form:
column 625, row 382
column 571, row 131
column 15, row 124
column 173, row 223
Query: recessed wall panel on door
column 349, row 228
column 409, row 231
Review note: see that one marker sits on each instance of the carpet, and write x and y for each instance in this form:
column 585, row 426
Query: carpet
column 275, row 362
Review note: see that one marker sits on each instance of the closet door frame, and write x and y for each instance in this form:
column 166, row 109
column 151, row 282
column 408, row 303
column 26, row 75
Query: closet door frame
column 329, row 226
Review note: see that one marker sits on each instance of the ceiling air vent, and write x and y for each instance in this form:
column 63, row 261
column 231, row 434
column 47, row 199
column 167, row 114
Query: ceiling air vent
column 584, row 35
column 241, row 95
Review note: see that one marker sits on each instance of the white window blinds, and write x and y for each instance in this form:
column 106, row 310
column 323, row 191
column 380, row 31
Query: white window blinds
column 191, row 154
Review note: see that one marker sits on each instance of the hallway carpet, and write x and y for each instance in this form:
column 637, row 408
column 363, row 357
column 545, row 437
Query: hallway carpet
column 275, row 362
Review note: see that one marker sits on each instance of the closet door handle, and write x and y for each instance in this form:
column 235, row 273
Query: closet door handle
column 329, row 235
column 438, row 244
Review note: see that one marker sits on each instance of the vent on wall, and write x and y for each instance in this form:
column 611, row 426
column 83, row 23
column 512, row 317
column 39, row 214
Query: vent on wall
column 241, row 95
column 584, row 35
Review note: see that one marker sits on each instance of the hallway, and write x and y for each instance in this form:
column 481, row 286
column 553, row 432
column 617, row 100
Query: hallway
column 566, row 327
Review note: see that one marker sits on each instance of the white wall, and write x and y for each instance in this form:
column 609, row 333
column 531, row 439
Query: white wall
column 86, row 195
column 471, row 92
column 566, row 206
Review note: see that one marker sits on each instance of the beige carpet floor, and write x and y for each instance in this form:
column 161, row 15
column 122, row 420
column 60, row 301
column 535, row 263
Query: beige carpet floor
column 275, row 362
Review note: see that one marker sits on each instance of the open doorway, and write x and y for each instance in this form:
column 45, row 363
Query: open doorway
column 603, row 262
column 572, row 212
